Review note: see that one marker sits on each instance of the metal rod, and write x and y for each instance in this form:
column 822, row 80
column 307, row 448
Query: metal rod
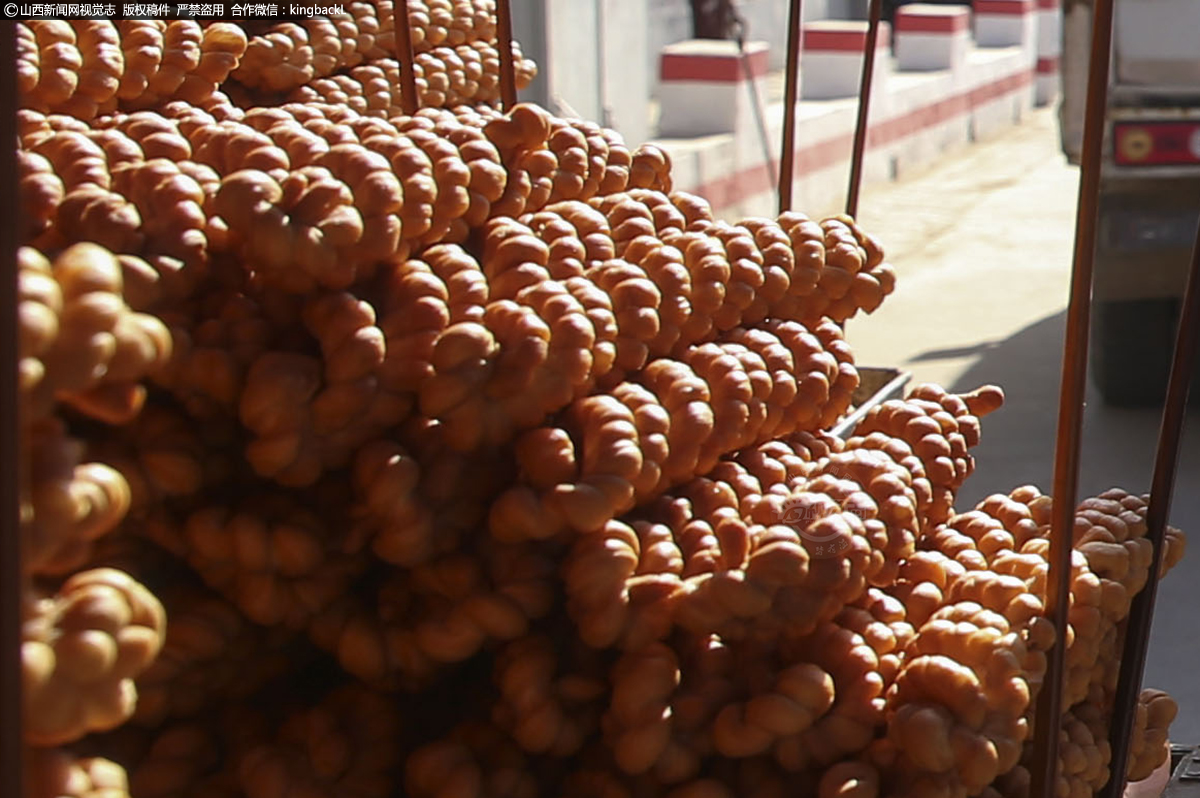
column 1048, row 715
column 791, row 77
column 864, row 107
column 508, row 77
column 739, row 33
column 10, row 528
column 1162, row 486
column 404, row 54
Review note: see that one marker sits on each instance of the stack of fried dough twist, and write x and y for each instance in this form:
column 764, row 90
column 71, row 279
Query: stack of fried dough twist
column 455, row 453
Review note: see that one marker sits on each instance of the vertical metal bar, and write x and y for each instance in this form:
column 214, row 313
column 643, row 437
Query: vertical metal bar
column 508, row 77
column 791, row 78
column 1162, row 486
column 10, row 530
column 1070, row 408
column 864, row 107
column 404, row 54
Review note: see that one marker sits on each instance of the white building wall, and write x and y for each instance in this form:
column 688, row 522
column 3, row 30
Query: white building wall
column 563, row 37
column 627, row 82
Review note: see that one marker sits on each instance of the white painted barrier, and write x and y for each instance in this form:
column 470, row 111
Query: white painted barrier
column 706, row 86
column 932, row 37
column 831, row 64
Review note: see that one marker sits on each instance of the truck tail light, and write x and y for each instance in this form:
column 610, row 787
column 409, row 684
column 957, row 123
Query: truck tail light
column 1168, row 143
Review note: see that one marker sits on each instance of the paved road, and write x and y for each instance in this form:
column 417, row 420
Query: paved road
column 982, row 245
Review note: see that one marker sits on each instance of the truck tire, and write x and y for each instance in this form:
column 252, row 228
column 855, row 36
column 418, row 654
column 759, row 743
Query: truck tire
column 1131, row 348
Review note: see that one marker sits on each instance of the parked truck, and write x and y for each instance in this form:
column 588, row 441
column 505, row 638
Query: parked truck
column 1150, row 185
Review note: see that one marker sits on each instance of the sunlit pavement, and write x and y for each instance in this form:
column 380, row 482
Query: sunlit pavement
column 982, row 246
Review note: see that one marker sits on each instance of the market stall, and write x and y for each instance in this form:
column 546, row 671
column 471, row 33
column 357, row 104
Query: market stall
column 381, row 435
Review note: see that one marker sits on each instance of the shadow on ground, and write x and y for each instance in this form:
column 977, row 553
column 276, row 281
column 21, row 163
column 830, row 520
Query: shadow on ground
column 1018, row 449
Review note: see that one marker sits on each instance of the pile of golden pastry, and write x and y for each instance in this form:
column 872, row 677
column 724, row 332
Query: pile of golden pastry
column 455, row 454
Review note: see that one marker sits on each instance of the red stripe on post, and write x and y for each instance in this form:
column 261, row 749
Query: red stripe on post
column 1047, row 65
column 843, row 38
column 931, row 19
column 837, row 40
column 1048, row 5
column 712, row 68
column 1014, row 7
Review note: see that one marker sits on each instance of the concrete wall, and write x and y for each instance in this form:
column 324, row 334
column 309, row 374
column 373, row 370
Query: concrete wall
column 915, row 118
column 529, row 28
column 612, row 77
column 589, row 59
column 627, row 83
column 562, row 37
